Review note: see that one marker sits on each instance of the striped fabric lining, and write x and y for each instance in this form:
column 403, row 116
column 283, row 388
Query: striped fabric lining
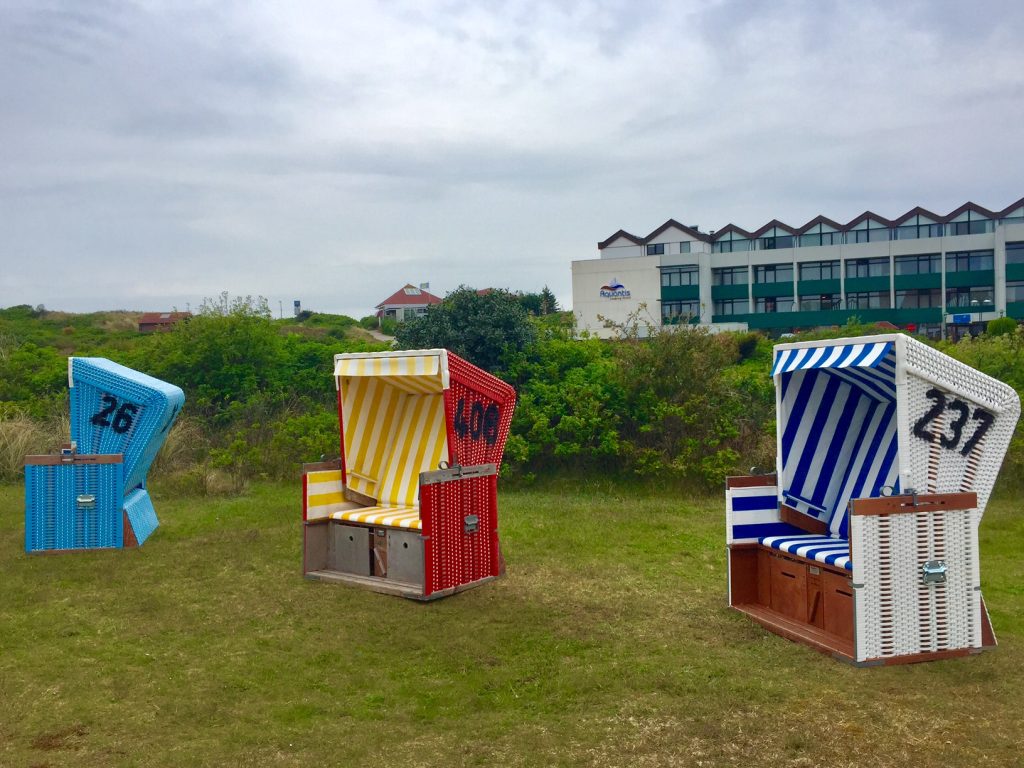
column 418, row 446
column 832, row 356
column 820, row 548
column 387, row 364
column 751, row 513
column 838, row 428
column 323, row 492
column 393, row 517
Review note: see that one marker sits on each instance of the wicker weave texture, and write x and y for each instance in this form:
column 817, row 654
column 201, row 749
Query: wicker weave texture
column 478, row 408
column 59, row 513
column 453, row 556
column 141, row 515
column 897, row 613
column 117, row 410
column 958, row 424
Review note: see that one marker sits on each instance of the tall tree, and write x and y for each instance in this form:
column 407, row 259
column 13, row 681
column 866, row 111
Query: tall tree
column 484, row 329
column 548, row 302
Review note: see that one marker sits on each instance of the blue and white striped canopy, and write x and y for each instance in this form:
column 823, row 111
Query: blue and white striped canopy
column 836, row 356
column 837, row 426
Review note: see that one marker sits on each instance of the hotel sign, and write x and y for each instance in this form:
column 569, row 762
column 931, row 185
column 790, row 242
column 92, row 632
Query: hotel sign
column 614, row 290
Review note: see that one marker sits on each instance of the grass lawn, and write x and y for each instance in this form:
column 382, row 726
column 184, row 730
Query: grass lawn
column 608, row 644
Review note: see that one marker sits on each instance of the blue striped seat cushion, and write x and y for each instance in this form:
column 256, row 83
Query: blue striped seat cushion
column 821, row 548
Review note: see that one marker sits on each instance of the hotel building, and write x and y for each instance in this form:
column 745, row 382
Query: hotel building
column 930, row 273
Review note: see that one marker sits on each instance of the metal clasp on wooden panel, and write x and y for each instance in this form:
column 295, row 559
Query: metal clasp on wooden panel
column 457, row 472
column 470, row 524
column 933, row 572
column 86, row 500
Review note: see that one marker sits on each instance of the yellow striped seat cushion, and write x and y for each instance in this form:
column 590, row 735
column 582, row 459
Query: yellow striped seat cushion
column 388, row 517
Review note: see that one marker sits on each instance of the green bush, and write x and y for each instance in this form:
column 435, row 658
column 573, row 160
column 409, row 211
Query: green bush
column 1001, row 326
column 483, row 328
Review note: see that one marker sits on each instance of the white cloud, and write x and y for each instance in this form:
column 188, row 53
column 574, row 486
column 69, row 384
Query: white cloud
column 155, row 154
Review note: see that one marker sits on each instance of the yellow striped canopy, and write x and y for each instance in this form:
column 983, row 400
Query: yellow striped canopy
column 394, row 422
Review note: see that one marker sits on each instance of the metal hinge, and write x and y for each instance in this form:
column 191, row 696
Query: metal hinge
column 457, row 472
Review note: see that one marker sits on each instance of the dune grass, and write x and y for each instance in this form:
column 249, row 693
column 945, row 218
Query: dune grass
column 608, row 644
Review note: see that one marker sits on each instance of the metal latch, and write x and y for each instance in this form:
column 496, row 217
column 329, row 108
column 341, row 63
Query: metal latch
column 933, row 572
column 470, row 524
column 86, row 500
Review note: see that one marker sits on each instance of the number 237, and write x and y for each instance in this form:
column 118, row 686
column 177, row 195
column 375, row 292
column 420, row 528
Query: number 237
column 950, row 442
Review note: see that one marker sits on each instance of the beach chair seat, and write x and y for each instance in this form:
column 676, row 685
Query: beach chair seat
column 823, row 549
column 382, row 517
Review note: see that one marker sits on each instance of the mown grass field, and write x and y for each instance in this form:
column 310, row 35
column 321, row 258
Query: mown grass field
column 608, row 644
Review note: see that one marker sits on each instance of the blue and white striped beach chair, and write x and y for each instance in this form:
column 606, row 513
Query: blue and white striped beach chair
column 864, row 542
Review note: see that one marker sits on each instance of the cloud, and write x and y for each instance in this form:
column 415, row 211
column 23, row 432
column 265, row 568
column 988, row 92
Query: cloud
column 155, row 154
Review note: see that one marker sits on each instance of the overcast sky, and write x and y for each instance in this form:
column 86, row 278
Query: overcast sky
column 153, row 154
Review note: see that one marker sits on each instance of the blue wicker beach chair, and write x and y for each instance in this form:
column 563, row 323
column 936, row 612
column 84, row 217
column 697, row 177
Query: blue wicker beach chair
column 93, row 494
column 864, row 542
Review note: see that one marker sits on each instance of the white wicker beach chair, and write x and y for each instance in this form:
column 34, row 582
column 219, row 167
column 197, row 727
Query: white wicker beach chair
column 864, row 542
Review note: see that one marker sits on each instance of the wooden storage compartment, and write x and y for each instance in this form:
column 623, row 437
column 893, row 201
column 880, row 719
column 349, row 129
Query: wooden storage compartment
column 815, row 609
column 838, row 605
column 789, row 588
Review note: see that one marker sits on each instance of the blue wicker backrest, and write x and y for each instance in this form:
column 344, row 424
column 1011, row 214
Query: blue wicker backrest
column 115, row 409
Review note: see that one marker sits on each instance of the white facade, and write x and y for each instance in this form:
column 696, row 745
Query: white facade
column 612, row 291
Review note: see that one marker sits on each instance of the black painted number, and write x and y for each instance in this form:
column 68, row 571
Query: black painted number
column 461, row 427
column 102, row 419
column 491, row 419
column 950, row 442
column 482, row 422
column 123, row 416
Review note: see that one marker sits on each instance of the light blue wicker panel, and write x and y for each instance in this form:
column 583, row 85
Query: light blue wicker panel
column 57, row 515
column 115, row 409
column 141, row 515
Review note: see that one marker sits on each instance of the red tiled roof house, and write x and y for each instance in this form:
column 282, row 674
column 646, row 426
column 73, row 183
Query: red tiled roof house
column 407, row 303
column 160, row 321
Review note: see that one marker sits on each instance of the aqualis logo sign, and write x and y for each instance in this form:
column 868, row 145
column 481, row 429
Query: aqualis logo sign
column 614, row 290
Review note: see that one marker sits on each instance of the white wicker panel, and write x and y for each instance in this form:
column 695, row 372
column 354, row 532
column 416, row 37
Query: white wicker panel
column 897, row 614
column 932, row 467
column 943, row 369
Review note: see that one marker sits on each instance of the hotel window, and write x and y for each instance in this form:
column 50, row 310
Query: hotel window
column 673, row 276
column 1015, row 253
column 976, row 298
column 868, row 300
column 918, row 298
column 731, row 243
column 776, row 242
column 867, row 267
column 819, row 270
column 656, row 249
column 731, row 307
column 730, row 276
column 925, row 264
column 764, row 304
column 817, row 236
column 871, row 232
column 673, row 312
column 916, row 228
column 975, row 224
column 968, row 261
column 1015, row 291
column 684, row 247
column 819, row 302
column 773, row 273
